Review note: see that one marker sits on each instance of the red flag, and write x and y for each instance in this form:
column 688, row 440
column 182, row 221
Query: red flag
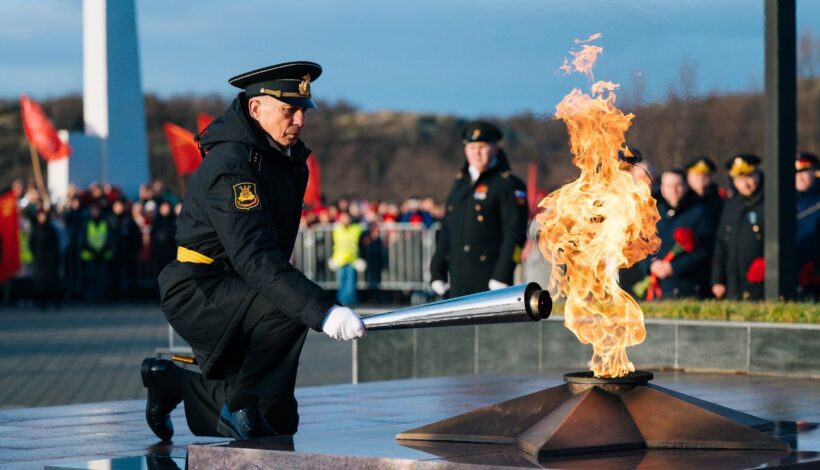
column 40, row 132
column 9, row 236
column 202, row 121
column 183, row 148
column 313, row 192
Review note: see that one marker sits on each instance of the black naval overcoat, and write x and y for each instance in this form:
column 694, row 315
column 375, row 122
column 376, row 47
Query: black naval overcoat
column 483, row 230
column 242, row 210
column 739, row 241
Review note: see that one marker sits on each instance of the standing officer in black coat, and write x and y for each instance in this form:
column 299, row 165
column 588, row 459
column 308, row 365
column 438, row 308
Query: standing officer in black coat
column 738, row 258
column 485, row 225
column 232, row 293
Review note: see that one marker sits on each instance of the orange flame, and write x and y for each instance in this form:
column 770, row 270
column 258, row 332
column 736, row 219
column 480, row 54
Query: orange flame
column 597, row 224
column 583, row 60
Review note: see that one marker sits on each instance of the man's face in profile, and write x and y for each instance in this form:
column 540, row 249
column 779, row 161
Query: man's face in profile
column 282, row 122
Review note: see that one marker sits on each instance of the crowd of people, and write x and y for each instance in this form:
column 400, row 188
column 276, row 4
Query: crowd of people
column 414, row 210
column 97, row 245
column 94, row 244
column 712, row 237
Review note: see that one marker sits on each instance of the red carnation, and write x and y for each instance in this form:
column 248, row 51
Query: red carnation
column 685, row 237
column 757, row 271
column 685, row 242
column 724, row 193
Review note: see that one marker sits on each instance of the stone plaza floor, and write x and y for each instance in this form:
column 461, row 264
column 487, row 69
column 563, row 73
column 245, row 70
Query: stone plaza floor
column 357, row 421
column 90, row 354
column 86, row 360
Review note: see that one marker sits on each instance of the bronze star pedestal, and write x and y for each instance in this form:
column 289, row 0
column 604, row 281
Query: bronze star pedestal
column 587, row 414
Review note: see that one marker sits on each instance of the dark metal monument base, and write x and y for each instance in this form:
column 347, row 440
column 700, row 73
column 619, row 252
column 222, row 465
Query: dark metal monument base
column 587, row 414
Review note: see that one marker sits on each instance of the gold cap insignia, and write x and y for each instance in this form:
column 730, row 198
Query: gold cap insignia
column 304, row 86
column 741, row 168
column 244, row 196
column 476, row 134
column 801, row 165
column 700, row 168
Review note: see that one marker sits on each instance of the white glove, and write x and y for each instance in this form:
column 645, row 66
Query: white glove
column 342, row 323
column 360, row 265
column 439, row 287
column 494, row 285
column 332, row 265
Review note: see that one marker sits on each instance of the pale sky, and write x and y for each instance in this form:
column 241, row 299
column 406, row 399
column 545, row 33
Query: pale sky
column 463, row 57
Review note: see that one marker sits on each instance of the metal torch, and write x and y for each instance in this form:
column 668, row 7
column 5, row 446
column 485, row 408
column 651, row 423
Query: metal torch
column 520, row 303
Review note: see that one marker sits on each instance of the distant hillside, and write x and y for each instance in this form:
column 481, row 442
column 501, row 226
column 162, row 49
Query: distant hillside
column 397, row 154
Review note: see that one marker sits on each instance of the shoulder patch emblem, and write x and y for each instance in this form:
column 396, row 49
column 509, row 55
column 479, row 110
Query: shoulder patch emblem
column 245, row 196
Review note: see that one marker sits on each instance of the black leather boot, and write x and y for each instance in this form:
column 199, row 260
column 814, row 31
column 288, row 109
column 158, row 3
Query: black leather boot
column 161, row 399
column 243, row 424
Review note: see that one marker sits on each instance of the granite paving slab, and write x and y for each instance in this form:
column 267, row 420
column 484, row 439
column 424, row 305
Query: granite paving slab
column 355, row 423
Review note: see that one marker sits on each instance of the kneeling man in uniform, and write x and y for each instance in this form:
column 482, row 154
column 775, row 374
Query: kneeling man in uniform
column 232, row 293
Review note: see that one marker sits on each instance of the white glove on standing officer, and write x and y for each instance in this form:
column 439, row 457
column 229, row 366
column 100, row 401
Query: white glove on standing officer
column 343, row 324
column 439, row 287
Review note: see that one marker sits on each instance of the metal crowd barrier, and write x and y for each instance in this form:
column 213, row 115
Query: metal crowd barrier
column 397, row 255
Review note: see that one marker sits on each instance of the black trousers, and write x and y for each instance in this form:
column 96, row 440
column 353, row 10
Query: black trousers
column 261, row 361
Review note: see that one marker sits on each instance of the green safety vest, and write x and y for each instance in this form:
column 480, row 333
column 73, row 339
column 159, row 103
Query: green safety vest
column 96, row 236
column 26, row 256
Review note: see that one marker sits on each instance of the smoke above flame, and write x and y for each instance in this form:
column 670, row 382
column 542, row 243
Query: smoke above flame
column 601, row 222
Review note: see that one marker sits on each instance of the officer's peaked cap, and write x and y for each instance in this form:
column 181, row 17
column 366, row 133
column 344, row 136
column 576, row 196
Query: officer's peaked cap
column 743, row 164
column 480, row 131
column 805, row 161
column 288, row 82
column 701, row 165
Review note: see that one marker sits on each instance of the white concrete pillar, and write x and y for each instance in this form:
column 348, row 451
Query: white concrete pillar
column 112, row 94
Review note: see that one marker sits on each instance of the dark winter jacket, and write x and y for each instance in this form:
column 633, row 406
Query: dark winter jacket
column 45, row 248
column 808, row 241
column 688, row 268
